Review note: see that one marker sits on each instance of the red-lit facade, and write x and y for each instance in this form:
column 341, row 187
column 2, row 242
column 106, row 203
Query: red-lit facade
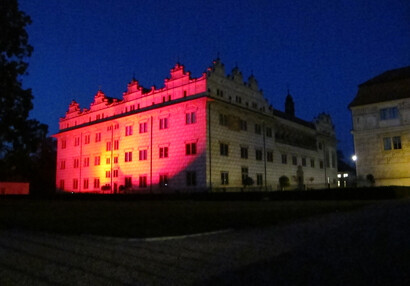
column 186, row 136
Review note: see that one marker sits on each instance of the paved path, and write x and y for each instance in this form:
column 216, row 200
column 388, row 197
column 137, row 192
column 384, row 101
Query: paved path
column 365, row 247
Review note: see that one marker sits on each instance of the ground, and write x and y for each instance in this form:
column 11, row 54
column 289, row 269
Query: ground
column 368, row 246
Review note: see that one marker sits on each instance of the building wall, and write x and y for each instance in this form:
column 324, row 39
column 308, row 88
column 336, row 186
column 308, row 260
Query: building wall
column 95, row 144
column 389, row 167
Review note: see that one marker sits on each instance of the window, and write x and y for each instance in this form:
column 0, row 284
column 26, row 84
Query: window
column 108, row 146
column 97, row 160
column 76, row 163
column 163, row 152
column 258, row 129
column 224, row 178
column 268, row 132
column 63, row 143
column 116, row 126
column 116, row 160
column 244, row 171
column 108, row 160
column 85, row 184
column 294, row 160
column 163, row 180
column 115, row 173
column 61, row 184
column 128, row 130
column 96, row 183
column 389, row 113
column 284, row 159
column 243, row 125
column 244, row 152
column 223, row 119
column 87, row 139
column 75, row 184
column 304, row 162
column 62, row 165
column 191, row 178
column 116, row 144
column 128, row 182
column 254, row 105
column 190, row 149
column 142, row 155
column 390, row 143
column 128, row 156
column 327, row 158
column 98, row 137
column 269, row 156
column 143, row 181
column 108, row 174
column 312, row 163
column 190, row 118
column 259, row 179
column 334, row 159
column 76, row 141
column 163, row 123
column 238, row 99
column 258, row 154
column 143, row 127
column 321, row 164
column 224, row 149
column 86, row 161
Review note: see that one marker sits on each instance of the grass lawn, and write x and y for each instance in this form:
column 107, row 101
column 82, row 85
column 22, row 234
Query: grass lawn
column 150, row 218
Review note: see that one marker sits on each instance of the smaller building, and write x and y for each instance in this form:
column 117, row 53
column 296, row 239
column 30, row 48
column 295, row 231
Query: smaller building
column 381, row 129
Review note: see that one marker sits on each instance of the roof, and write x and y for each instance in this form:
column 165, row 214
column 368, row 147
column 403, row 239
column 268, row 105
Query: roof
column 390, row 85
column 289, row 117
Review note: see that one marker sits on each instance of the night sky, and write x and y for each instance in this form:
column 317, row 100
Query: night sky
column 321, row 50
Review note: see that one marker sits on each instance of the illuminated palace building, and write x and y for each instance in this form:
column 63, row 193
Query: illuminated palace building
column 211, row 133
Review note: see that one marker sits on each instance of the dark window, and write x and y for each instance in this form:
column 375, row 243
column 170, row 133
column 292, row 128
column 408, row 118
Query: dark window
column 163, row 180
column 190, row 118
column 191, row 178
column 223, row 119
column 284, row 159
column 224, row 149
column 128, row 156
column 143, row 181
column 294, row 160
column 258, row 129
column 224, row 178
column 259, row 179
column 143, row 155
column 258, row 154
column 268, row 132
column 269, row 156
column 244, row 152
column 190, row 149
column 243, row 124
column 163, row 152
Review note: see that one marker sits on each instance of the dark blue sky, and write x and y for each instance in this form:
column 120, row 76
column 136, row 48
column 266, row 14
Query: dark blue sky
column 321, row 49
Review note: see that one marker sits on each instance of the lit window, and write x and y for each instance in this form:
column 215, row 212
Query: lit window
column 143, row 127
column 96, row 183
column 224, row 178
column 190, row 149
column 128, row 130
column 191, row 178
column 143, row 155
column 143, row 181
column 190, row 118
column 128, row 156
column 224, row 149
column 163, row 123
column 75, row 184
column 163, row 152
column 163, row 180
column 85, row 184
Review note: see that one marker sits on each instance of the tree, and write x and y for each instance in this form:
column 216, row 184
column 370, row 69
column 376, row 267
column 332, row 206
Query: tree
column 20, row 137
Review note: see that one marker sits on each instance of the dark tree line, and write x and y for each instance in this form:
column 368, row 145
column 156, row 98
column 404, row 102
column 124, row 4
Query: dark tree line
column 26, row 154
